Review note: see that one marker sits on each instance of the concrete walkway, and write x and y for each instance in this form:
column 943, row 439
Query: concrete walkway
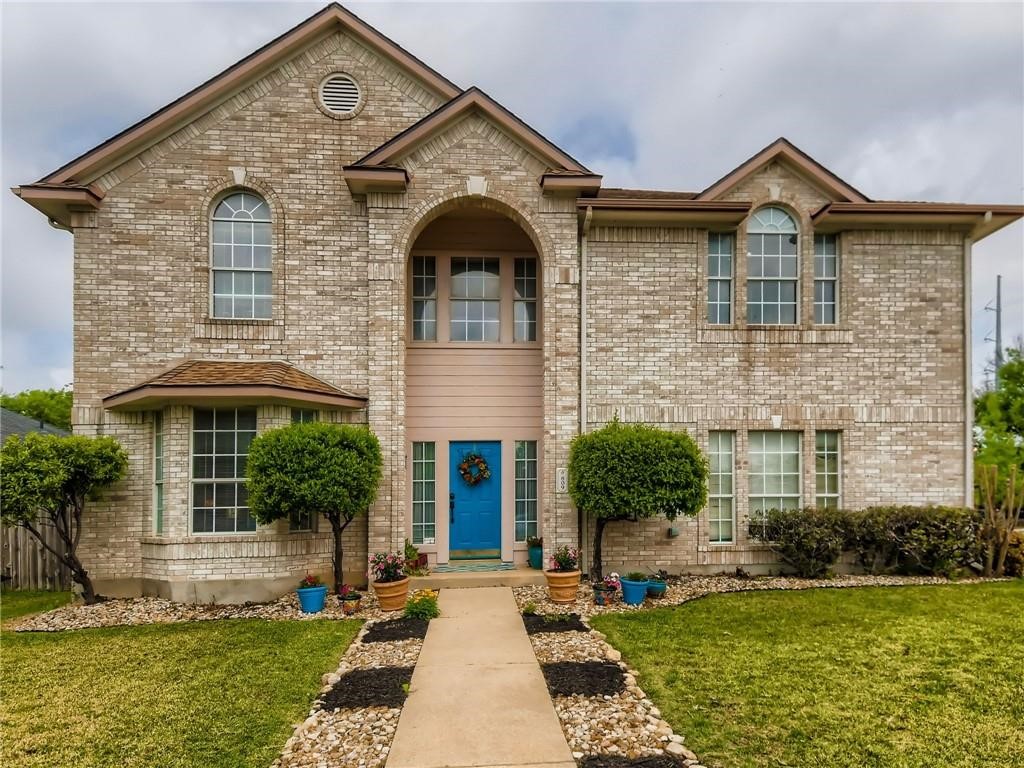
column 478, row 698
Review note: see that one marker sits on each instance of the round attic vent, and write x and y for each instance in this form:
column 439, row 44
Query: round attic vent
column 339, row 94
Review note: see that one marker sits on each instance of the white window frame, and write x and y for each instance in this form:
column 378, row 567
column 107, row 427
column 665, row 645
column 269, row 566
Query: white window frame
column 483, row 302
column 305, row 415
column 428, row 496
column 159, row 465
column 715, row 453
column 235, row 271
column 194, row 481
column 518, row 300
column 837, row 456
column 820, row 259
column 797, row 496
column 773, row 220
column 425, row 298
column 530, row 502
column 717, row 278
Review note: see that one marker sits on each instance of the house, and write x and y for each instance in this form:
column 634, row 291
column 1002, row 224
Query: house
column 14, row 423
column 332, row 230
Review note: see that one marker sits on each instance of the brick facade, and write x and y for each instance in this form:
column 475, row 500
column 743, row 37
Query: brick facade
column 889, row 376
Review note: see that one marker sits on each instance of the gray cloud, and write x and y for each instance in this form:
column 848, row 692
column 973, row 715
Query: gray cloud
column 905, row 101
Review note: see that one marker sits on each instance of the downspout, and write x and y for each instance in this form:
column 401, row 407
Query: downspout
column 968, row 378
column 581, row 520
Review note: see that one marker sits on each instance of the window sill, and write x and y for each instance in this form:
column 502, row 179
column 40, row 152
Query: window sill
column 473, row 345
column 774, row 334
column 226, row 328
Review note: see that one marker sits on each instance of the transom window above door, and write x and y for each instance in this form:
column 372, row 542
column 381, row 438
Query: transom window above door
column 470, row 298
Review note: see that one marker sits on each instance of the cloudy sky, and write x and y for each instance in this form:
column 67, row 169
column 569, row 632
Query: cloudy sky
column 914, row 101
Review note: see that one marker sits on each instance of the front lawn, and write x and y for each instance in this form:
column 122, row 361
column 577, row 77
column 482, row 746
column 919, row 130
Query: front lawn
column 905, row 677
column 21, row 602
column 211, row 694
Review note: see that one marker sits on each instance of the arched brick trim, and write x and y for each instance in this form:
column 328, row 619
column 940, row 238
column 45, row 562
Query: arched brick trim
column 205, row 325
column 455, row 198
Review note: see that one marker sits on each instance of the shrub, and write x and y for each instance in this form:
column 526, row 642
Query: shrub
column 810, row 540
column 422, row 604
column 928, row 540
column 387, row 567
column 1014, row 564
column 635, row 472
column 636, row 576
column 565, row 559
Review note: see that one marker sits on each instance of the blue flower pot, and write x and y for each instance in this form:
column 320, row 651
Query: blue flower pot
column 633, row 592
column 656, row 588
column 536, row 556
column 312, row 599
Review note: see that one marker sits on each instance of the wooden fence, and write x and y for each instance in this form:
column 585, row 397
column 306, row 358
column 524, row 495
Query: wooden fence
column 26, row 564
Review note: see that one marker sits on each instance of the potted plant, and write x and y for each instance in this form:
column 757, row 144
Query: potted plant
column 657, row 584
column 387, row 570
column 415, row 563
column 535, row 552
column 312, row 594
column 634, row 588
column 349, row 599
column 563, row 576
column 604, row 590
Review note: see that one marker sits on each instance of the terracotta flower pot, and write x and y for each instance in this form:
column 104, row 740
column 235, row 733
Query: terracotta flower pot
column 562, row 585
column 392, row 594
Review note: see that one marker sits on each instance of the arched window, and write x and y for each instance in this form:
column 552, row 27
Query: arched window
column 240, row 258
column 773, row 268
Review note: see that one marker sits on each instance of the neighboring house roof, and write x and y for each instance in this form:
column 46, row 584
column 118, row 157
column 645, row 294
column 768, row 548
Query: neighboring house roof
column 82, row 169
column 782, row 149
column 14, row 423
column 196, row 381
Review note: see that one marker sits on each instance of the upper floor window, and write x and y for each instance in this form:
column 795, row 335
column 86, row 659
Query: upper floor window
column 424, row 298
column 240, row 259
column 475, row 299
column 720, row 249
column 773, row 268
column 525, row 310
column 826, row 279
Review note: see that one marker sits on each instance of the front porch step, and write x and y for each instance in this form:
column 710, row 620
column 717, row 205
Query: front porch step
column 521, row 576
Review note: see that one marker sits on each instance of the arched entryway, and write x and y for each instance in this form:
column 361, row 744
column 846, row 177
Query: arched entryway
column 474, row 387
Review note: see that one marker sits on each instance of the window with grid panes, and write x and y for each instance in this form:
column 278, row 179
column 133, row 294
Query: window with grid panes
column 423, row 493
column 526, row 489
column 158, row 472
column 773, row 269
column 720, row 261
column 424, row 298
column 826, row 279
column 827, row 460
column 220, row 449
column 240, row 257
column 525, row 306
column 774, row 473
column 475, row 302
column 721, row 494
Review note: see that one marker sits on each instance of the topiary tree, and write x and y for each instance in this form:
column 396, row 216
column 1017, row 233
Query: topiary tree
column 322, row 469
column 635, row 472
column 51, row 477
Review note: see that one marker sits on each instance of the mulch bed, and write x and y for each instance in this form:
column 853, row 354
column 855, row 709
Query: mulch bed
column 360, row 688
column 588, row 678
column 396, row 629
column 614, row 761
column 566, row 622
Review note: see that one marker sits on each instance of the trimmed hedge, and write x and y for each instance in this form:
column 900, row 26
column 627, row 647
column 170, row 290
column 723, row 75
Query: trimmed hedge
column 927, row 541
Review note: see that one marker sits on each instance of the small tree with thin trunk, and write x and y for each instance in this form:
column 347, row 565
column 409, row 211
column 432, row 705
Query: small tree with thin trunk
column 635, row 472
column 50, row 477
column 1003, row 501
column 321, row 469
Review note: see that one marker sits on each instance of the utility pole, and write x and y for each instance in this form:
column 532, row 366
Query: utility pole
column 998, row 309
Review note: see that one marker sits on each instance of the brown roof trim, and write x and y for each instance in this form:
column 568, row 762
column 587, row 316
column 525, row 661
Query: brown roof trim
column 58, row 201
column 976, row 220
column 362, row 179
column 218, row 87
column 670, row 204
column 149, row 395
column 576, row 184
column 454, row 109
column 672, row 212
column 783, row 148
column 620, row 193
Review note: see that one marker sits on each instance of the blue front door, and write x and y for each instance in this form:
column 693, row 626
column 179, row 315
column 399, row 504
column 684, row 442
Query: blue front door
column 475, row 519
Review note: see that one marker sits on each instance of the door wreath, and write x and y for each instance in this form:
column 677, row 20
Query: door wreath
column 474, row 469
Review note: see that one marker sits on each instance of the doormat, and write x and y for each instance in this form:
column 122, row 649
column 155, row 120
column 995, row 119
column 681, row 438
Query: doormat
column 472, row 567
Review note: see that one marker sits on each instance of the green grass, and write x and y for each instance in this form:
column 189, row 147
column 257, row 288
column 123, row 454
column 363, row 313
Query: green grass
column 21, row 602
column 212, row 694
column 908, row 677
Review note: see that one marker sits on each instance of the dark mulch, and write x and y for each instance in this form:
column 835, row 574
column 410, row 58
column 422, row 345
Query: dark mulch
column 566, row 622
column 396, row 629
column 589, row 678
column 361, row 688
column 612, row 761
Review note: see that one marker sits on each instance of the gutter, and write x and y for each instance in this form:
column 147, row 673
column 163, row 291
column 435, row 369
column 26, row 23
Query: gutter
column 581, row 522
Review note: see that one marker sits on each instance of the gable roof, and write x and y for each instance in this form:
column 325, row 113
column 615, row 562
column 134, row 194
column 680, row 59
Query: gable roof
column 202, row 98
column 14, row 423
column 784, row 150
column 212, row 380
column 471, row 99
